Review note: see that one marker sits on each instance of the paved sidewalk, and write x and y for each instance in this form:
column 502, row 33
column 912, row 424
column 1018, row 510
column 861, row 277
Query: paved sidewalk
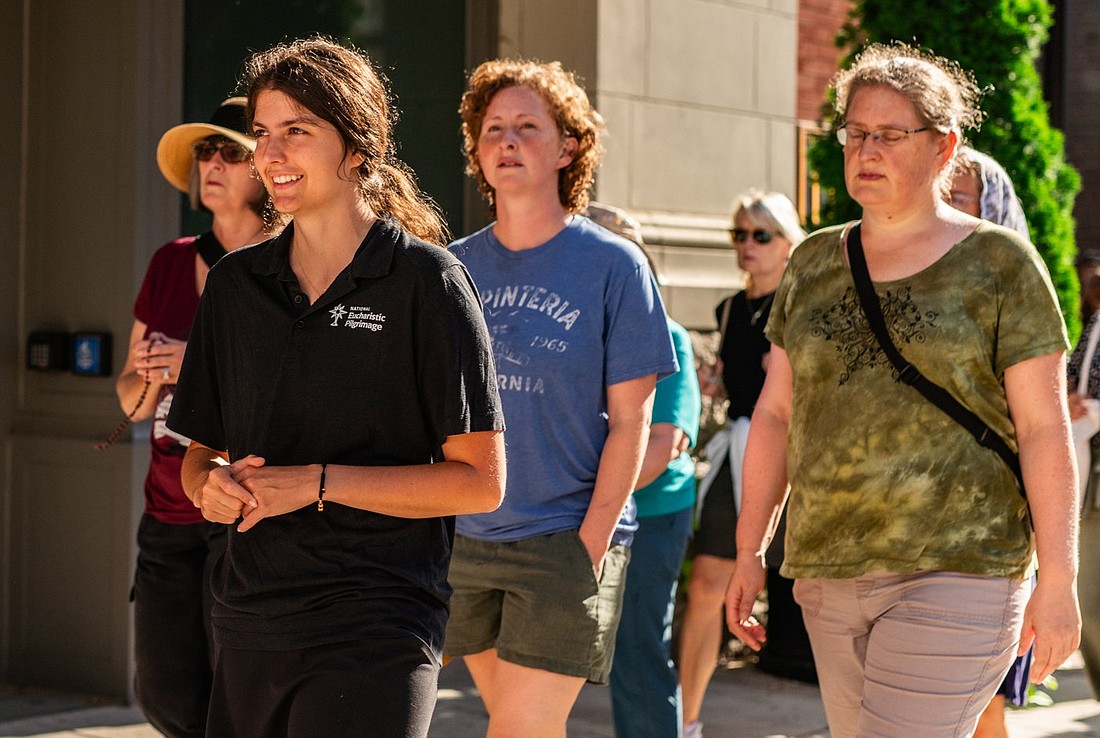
column 741, row 703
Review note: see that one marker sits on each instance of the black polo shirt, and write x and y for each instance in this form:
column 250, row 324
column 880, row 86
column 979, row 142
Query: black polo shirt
column 391, row 360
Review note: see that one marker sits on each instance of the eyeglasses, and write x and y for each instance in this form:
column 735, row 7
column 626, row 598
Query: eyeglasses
column 231, row 151
column 740, row 235
column 855, row 138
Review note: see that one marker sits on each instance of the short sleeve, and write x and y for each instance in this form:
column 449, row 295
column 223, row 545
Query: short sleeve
column 456, row 373
column 777, row 320
column 196, row 409
column 677, row 399
column 816, row 253
column 142, row 309
column 637, row 340
column 166, row 283
column 1030, row 322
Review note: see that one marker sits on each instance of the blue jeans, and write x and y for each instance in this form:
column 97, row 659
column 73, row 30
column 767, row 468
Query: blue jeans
column 645, row 690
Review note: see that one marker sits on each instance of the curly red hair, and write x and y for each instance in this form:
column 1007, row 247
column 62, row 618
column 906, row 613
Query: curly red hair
column 569, row 106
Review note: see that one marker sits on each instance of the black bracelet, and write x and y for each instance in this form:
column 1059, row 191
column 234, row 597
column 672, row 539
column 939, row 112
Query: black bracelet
column 321, row 489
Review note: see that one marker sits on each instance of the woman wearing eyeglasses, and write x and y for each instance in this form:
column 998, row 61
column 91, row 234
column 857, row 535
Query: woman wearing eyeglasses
column 176, row 546
column 765, row 231
column 908, row 539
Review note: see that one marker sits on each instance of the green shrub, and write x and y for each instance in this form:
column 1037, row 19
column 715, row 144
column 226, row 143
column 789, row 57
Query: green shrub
column 999, row 40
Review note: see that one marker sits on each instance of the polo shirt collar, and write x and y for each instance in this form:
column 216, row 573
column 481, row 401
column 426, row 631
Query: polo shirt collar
column 373, row 258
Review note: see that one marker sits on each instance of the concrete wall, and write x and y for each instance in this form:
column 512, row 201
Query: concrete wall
column 700, row 101
column 100, row 81
column 699, row 97
column 563, row 30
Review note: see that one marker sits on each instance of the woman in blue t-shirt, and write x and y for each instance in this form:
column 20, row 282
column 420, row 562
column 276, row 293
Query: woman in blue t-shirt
column 580, row 338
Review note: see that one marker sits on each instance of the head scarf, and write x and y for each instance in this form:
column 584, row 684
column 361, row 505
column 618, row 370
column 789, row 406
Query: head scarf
column 999, row 203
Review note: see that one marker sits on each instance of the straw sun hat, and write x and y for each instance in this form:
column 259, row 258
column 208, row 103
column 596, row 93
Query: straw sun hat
column 174, row 154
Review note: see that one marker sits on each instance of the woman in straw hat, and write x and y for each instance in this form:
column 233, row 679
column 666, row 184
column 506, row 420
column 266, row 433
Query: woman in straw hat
column 176, row 546
column 340, row 389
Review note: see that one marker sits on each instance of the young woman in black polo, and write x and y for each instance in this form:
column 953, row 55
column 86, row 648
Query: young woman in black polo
column 339, row 388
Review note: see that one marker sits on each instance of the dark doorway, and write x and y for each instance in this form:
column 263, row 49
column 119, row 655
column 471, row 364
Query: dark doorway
column 418, row 44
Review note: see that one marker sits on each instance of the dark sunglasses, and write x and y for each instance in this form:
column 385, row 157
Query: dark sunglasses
column 231, row 151
column 740, row 235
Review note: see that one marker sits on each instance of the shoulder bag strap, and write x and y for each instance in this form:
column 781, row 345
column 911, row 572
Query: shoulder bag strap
column 723, row 324
column 209, row 248
column 910, row 375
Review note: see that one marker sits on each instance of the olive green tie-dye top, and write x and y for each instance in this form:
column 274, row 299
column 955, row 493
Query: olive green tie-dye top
column 882, row 479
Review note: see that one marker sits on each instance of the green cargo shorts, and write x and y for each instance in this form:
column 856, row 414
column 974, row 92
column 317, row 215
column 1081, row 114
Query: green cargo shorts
column 537, row 602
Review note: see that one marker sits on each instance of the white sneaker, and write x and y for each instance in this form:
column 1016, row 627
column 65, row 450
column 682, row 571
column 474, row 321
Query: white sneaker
column 693, row 730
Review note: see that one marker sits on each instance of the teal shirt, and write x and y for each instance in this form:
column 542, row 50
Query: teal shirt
column 676, row 401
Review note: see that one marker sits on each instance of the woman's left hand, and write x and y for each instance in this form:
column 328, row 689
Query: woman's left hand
column 1052, row 621
column 596, row 546
column 278, row 490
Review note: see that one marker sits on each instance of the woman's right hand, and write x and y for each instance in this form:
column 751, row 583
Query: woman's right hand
column 745, row 584
column 221, row 498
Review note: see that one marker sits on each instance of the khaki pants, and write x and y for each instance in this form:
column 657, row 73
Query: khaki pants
column 1088, row 588
column 901, row 656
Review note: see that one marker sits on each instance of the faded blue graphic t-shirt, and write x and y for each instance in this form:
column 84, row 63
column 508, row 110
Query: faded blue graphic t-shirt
column 567, row 319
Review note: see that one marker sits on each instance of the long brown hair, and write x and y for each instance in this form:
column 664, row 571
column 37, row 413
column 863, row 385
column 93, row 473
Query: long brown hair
column 339, row 85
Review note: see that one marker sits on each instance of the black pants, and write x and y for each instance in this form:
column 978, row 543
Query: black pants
column 381, row 688
column 173, row 646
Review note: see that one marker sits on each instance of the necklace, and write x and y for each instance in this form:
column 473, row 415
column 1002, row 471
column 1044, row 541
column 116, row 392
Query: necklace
column 305, row 276
column 760, row 310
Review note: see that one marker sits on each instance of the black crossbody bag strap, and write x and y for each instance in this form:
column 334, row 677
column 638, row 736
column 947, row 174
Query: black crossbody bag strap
column 209, row 248
column 910, row 375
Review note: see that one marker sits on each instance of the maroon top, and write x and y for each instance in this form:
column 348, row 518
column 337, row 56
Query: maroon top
column 167, row 303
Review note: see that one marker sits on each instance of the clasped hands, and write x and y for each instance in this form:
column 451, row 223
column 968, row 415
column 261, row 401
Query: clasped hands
column 246, row 489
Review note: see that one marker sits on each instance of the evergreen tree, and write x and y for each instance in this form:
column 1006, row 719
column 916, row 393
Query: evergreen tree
column 999, row 41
